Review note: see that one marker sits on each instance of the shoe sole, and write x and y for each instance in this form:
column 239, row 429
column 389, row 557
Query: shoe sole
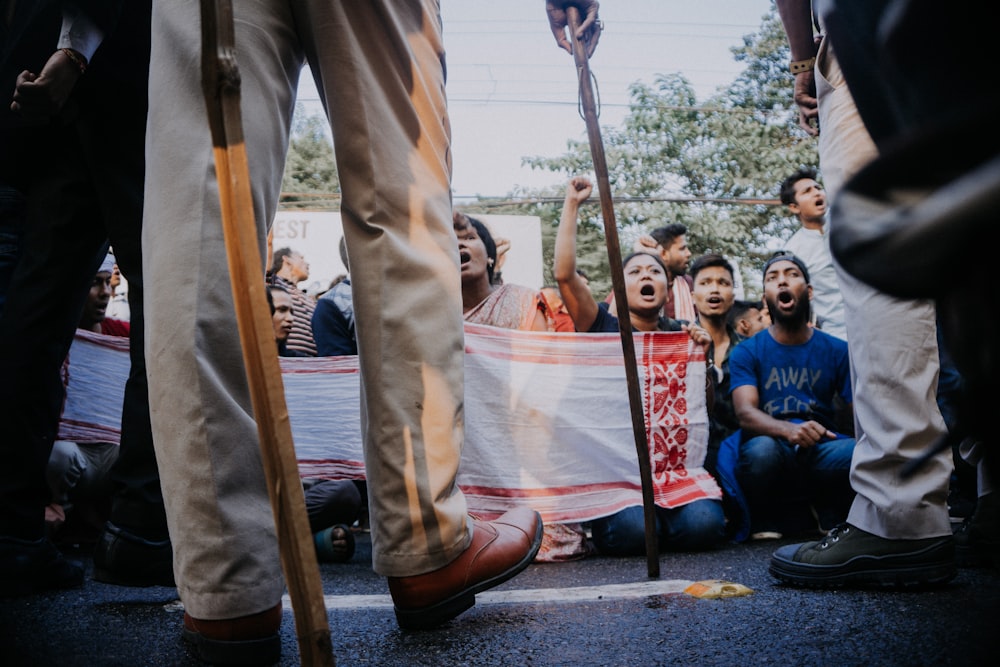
column 893, row 571
column 427, row 618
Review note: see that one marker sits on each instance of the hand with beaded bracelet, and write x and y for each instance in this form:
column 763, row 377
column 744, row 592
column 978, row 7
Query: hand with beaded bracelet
column 44, row 94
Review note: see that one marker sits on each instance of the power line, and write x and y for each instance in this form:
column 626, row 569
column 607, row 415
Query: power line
column 574, row 103
column 489, row 201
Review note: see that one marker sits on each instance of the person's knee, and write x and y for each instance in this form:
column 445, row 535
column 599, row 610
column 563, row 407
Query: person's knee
column 621, row 534
column 331, row 502
column 696, row 526
column 65, row 467
column 843, row 452
column 760, row 459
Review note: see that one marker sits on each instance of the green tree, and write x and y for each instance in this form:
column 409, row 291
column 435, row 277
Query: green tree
column 713, row 166
column 310, row 179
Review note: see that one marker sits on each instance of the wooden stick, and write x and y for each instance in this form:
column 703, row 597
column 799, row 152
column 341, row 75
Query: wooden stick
column 221, row 84
column 618, row 284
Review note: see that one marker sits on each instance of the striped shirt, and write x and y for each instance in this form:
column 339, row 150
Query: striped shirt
column 301, row 337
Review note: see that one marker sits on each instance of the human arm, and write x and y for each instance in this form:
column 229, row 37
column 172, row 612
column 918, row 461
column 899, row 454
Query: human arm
column 541, row 322
column 746, row 400
column 796, row 18
column 646, row 243
column 45, row 93
column 590, row 26
column 573, row 290
column 746, row 375
column 700, row 336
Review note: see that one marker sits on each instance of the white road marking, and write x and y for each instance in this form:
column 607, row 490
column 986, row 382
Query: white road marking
column 525, row 596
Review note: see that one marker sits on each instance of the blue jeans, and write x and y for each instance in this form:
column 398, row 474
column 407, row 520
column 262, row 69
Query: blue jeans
column 781, row 481
column 697, row 526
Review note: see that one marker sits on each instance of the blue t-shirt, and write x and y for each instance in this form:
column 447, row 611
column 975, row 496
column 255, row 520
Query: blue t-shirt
column 794, row 381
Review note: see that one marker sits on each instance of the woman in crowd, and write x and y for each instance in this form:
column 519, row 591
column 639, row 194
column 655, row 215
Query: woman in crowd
column 695, row 525
column 510, row 307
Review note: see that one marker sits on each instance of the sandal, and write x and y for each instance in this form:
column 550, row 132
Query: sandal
column 334, row 544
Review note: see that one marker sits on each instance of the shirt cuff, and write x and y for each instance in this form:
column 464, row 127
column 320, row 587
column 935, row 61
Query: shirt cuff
column 79, row 33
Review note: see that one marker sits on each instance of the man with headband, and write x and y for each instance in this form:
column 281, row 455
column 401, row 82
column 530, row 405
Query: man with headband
column 791, row 389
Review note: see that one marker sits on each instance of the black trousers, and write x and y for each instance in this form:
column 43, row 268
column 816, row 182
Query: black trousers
column 81, row 175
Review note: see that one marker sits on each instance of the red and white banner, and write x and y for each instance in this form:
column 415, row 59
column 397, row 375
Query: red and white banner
column 548, row 422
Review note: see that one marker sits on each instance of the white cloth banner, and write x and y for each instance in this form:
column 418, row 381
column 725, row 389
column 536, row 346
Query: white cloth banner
column 548, row 421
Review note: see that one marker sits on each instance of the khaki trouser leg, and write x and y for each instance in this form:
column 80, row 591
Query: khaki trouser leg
column 894, row 360
column 383, row 82
column 226, row 559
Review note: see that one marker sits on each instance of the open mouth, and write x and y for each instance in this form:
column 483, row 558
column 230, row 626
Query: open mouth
column 647, row 290
column 464, row 257
column 785, row 298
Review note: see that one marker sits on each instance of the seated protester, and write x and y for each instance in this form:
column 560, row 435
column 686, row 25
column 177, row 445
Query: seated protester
column 713, row 294
column 78, row 473
column 700, row 523
column 483, row 300
column 791, row 387
column 748, row 317
column 332, row 505
column 94, row 317
column 487, row 301
column 282, row 319
column 289, row 269
column 333, row 318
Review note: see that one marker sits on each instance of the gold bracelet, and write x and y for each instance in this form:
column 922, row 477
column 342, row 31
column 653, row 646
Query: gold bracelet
column 76, row 58
column 799, row 66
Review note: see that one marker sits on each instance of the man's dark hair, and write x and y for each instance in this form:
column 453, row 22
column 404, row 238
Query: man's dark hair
column 666, row 235
column 787, row 192
column 785, row 256
column 279, row 258
column 710, row 259
column 270, row 299
column 739, row 309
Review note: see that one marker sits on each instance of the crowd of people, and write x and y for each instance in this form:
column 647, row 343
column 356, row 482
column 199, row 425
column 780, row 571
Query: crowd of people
column 809, row 430
column 781, row 435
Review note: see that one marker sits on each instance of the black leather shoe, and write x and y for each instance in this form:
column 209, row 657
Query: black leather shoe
column 125, row 559
column 31, row 567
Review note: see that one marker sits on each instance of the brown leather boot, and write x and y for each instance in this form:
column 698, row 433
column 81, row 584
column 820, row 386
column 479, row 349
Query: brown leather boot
column 247, row 640
column 499, row 550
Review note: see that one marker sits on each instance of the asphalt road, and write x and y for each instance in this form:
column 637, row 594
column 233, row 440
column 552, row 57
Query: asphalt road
column 598, row 611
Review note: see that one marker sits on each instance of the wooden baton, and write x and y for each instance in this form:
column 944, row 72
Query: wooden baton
column 221, row 85
column 589, row 106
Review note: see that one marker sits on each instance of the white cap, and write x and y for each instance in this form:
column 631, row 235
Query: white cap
column 108, row 265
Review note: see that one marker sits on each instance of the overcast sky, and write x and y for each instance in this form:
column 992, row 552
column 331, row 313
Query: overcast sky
column 512, row 92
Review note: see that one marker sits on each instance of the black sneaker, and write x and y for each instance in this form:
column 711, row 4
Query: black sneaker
column 31, row 567
column 849, row 556
column 125, row 559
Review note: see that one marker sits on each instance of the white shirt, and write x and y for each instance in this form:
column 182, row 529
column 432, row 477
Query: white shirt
column 813, row 247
